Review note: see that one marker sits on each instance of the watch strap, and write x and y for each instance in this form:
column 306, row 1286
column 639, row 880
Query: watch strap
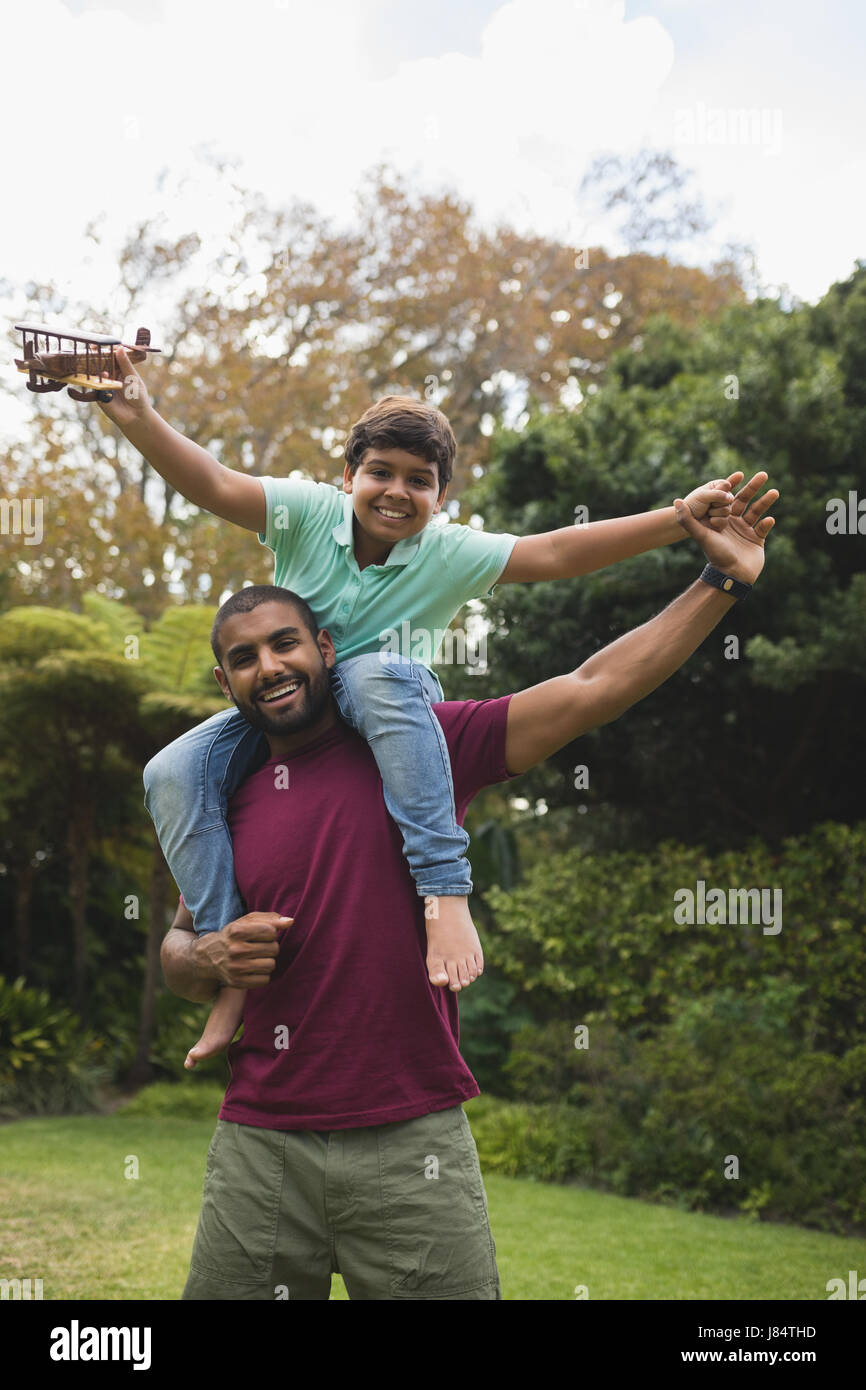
column 736, row 588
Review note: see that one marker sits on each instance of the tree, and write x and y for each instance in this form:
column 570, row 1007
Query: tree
column 761, row 731
column 94, row 697
column 281, row 339
column 67, row 743
column 176, row 656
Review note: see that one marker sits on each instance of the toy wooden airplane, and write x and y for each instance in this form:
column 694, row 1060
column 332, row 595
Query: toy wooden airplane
column 86, row 364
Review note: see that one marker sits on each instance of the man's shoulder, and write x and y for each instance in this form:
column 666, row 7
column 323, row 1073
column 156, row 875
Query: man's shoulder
column 475, row 731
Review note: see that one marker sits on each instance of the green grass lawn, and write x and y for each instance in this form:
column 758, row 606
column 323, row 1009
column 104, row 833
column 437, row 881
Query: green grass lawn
column 69, row 1216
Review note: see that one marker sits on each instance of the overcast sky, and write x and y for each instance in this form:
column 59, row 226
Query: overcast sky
column 506, row 102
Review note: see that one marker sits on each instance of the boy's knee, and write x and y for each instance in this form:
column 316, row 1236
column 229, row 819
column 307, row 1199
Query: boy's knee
column 160, row 773
column 372, row 663
column 384, row 682
column 151, row 772
column 377, row 671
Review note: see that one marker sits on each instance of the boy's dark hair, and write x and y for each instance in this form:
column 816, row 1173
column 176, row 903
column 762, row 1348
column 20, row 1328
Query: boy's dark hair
column 401, row 422
column 245, row 600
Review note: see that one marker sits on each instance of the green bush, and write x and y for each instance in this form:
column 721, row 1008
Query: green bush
column 178, row 1024
column 48, row 1063
column 489, row 1017
column 794, row 1122
column 594, row 936
column 544, row 1142
column 705, row 1040
column 662, row 1117
column 192, row 1100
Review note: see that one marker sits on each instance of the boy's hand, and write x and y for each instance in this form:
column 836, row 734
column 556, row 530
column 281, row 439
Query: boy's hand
column 738, row 547
column 711, row 503
column 130, row 404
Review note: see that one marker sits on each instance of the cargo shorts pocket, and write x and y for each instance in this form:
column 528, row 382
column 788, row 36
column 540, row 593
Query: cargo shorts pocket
column 434, row 1208
column 237, row 1227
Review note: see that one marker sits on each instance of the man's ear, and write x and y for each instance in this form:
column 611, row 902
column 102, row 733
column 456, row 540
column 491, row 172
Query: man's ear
column 326, row 647
column 222, row 682
column 347, row 478
column 440, row 501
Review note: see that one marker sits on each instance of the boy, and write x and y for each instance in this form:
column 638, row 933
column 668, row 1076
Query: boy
column 368, row 565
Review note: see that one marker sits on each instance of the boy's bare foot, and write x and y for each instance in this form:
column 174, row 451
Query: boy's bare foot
column 454, row 955
column 223, row 1022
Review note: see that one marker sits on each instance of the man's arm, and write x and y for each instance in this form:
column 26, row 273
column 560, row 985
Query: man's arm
column 190, row 470
column 181, row 965
column 546, row 717
column 244, row 954
column 574, row 550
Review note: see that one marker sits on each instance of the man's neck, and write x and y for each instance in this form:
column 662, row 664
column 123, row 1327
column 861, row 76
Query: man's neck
column 293, row 743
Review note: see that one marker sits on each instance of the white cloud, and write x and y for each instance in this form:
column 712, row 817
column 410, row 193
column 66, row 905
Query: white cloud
column 99, row 101
column 285, row 88
column 515, row 127
column 796, row 193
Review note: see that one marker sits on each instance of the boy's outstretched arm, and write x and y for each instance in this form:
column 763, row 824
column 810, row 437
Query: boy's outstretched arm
column 190, row 470
column 548, row 716
column 574, row 550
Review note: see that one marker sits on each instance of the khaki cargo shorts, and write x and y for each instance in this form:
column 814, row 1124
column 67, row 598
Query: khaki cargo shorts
column 398, row 1210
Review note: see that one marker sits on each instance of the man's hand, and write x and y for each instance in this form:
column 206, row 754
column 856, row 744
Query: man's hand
column 244, row 954
column 548, row 716
column 737, row 544
column 132, row 403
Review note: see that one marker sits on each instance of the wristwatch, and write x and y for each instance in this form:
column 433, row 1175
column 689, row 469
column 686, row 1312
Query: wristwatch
column 736, row 588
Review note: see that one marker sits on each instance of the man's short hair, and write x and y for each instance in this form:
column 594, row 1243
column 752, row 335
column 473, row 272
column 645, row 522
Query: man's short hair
column 245, row 600
column 401, row 422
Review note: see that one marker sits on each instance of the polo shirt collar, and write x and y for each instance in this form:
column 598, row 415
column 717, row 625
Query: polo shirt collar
column 401, row 553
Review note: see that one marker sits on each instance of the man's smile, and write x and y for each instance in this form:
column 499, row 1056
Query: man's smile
column 281, row 694
column 391, row 513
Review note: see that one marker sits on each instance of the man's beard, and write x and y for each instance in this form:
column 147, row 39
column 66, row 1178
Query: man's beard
column 310, row 704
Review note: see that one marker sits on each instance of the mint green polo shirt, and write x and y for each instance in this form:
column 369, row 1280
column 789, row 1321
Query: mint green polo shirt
column 423, row 583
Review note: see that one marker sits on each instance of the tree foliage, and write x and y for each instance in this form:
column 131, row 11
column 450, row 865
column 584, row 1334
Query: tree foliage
column 760, row 734
column 278, row 339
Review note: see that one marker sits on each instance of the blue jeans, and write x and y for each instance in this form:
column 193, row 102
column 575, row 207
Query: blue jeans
column 389, row 702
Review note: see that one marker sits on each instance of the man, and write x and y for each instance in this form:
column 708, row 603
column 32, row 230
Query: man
column 342, row 1144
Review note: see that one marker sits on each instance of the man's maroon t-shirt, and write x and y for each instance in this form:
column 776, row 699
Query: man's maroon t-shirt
column 349, row 1031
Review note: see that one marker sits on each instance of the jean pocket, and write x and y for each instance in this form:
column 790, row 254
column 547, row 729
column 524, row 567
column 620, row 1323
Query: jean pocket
column 435, row 1212
column 237, row 1228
